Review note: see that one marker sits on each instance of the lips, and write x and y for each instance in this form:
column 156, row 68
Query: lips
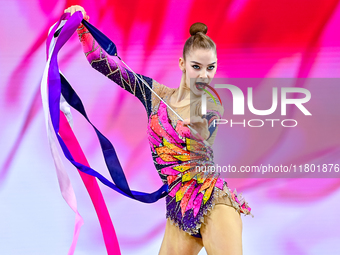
column 200, row 85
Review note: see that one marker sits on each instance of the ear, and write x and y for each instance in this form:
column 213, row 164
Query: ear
column 181, row 64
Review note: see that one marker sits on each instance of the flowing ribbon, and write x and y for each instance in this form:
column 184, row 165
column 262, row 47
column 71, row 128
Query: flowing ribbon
column 55, row 91
column 108, row 231
column 63, row 179
column 57, row 85
column 211, row 94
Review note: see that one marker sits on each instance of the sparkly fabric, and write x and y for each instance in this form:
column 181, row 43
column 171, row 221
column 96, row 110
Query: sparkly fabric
column 192, row 194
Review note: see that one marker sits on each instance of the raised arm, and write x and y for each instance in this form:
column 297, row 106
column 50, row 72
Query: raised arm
column 114, row 69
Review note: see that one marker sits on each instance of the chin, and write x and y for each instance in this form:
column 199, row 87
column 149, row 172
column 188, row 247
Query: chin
column 197, row 92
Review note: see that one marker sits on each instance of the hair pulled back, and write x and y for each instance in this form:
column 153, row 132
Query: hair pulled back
column 198, row 39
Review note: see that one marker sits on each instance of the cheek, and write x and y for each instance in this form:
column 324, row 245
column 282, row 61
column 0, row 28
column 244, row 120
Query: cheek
column 191, row 77
column 212, row 73
column 192, row 73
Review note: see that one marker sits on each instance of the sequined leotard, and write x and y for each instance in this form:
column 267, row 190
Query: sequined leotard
column 175, row 153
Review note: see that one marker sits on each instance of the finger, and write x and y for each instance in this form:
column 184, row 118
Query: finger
column 186, row 121
column 72, row 10
column 197, row 119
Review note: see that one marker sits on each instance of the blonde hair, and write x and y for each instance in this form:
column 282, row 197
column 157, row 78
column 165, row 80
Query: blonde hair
column 198, row 39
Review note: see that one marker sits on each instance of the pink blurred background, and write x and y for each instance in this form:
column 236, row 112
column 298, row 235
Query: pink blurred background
column 254, row 39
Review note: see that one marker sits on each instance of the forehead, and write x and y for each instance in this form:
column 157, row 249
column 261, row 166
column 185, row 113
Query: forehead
column 203, row 56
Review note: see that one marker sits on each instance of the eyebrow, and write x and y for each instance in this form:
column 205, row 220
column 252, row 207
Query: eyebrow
column 201, row 64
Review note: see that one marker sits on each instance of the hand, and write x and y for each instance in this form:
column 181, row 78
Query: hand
column 199, row 124
column 75, row 8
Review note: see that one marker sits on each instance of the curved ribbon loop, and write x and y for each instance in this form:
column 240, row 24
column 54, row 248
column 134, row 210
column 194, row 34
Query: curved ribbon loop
column 59, row 85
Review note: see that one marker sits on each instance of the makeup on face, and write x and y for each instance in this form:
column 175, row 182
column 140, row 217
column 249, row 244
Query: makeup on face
column 200, row 69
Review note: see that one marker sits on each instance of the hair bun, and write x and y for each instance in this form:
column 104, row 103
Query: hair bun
column 198, row 27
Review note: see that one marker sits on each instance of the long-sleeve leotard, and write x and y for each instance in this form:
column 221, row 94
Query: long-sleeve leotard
column 114, row 69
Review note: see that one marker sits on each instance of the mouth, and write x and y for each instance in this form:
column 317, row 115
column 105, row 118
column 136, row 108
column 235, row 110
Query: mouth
column 200, row 85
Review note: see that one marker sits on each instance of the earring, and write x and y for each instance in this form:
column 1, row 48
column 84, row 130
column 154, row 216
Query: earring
column 183, row 71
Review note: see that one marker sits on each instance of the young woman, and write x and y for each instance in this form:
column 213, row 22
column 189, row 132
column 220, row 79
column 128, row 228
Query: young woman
column 201, row 208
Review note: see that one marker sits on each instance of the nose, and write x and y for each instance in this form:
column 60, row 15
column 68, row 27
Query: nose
column 203, row 74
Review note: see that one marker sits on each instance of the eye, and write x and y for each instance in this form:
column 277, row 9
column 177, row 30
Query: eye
column 194, row 66
column 211, row 67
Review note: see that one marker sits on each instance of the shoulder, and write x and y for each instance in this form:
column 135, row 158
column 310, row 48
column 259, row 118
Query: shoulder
column 160, row 89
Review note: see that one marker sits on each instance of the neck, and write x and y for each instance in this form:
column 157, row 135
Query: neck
column 182, row 94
